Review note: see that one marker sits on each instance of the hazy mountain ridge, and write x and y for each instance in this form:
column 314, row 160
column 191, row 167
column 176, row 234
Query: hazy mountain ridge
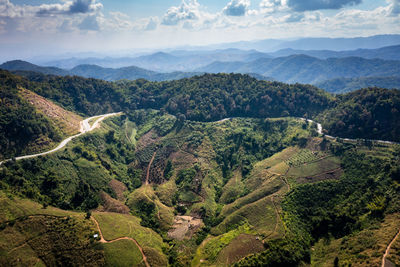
column 343, row 85
column 303, row 66
column 268, row 45
column 163, row 61
column 24, row 68
column 387, row 53
column 306, row 69
column 189, row 60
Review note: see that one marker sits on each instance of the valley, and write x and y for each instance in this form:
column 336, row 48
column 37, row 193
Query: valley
column 198, row 133
column 201, row 193
column 210, row 170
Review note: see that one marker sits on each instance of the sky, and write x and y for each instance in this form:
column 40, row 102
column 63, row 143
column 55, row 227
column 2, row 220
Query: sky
column 31, row 28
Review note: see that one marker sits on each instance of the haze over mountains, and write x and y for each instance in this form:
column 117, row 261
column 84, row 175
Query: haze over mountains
column 198, row 133
column 336, row 44
column 335, row 71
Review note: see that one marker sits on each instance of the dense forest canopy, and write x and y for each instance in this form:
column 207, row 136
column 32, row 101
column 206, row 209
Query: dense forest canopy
column 211, row 97
column 371, row 113
column 266, row 179
column 20, row 124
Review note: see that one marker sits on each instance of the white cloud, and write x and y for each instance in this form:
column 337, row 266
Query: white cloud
column 271, row 6
column 69, row 7
column 236, row 8
column 7, row 9
column 186, row 23
column 188, row 10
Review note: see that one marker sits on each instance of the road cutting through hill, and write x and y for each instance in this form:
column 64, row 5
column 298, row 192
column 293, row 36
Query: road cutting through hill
column 384, row 260
column 85, row 128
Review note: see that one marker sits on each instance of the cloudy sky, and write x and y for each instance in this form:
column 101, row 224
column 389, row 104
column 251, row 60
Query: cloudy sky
column 35, row 27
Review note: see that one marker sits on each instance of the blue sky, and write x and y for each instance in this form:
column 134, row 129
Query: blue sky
column 35, row 27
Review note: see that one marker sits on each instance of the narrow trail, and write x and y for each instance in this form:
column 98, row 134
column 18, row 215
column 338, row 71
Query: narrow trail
column 277, row 214
column 102, row 240
column 388, row 249
column 85, row 128
column 148, row 168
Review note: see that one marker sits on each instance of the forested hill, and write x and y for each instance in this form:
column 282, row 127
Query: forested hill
column 372, row 113
column 22, row 128
column 204, row 98
column 369, row 113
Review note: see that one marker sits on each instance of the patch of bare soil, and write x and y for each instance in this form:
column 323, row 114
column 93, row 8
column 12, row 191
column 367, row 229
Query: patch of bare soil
column 184, row 227
column 119, row 188
column 68, row 121
column 147, row 139
column 182, row 159
column 112, row 205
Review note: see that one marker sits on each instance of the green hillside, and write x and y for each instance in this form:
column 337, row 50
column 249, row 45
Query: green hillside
column 23, row 129
column 169, row 183
column 371, row 113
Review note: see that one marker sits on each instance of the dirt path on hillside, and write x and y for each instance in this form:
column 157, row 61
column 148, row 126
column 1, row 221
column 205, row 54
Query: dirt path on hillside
column 148, row 168
column 85, row 128
column 277, row 215
column 388, row 249
column 102, row 240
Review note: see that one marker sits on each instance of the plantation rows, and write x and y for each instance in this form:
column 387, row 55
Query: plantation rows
column 304, row 156
column 145, row 155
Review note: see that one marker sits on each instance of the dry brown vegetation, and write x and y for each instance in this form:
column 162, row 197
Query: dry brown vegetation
column 119, row 188
column 112, row 205
column 67, row 121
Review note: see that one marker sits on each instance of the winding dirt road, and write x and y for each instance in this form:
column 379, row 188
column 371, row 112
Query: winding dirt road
column 148, row 168
column 102, row 240
column 384, row 263
column 85, row 128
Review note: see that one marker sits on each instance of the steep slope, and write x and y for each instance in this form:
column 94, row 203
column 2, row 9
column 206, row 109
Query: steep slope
column 23, row 128
column 368, row 113
column 246, row 191
column 213, row 97
column 67, row 121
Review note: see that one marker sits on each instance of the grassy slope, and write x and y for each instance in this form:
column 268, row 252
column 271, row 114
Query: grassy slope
column 29, row 232
column 21, row 229
column 123, row 253
column 255, row 212
column 364, row 248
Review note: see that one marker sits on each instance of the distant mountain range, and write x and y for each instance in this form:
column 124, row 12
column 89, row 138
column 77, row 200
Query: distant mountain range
column 306, row 69
column 343, row 85
column 388, row 53
column 108, row 74
column 334, row 71
column 336, row 44
column 188, row 61
column 164, row 62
